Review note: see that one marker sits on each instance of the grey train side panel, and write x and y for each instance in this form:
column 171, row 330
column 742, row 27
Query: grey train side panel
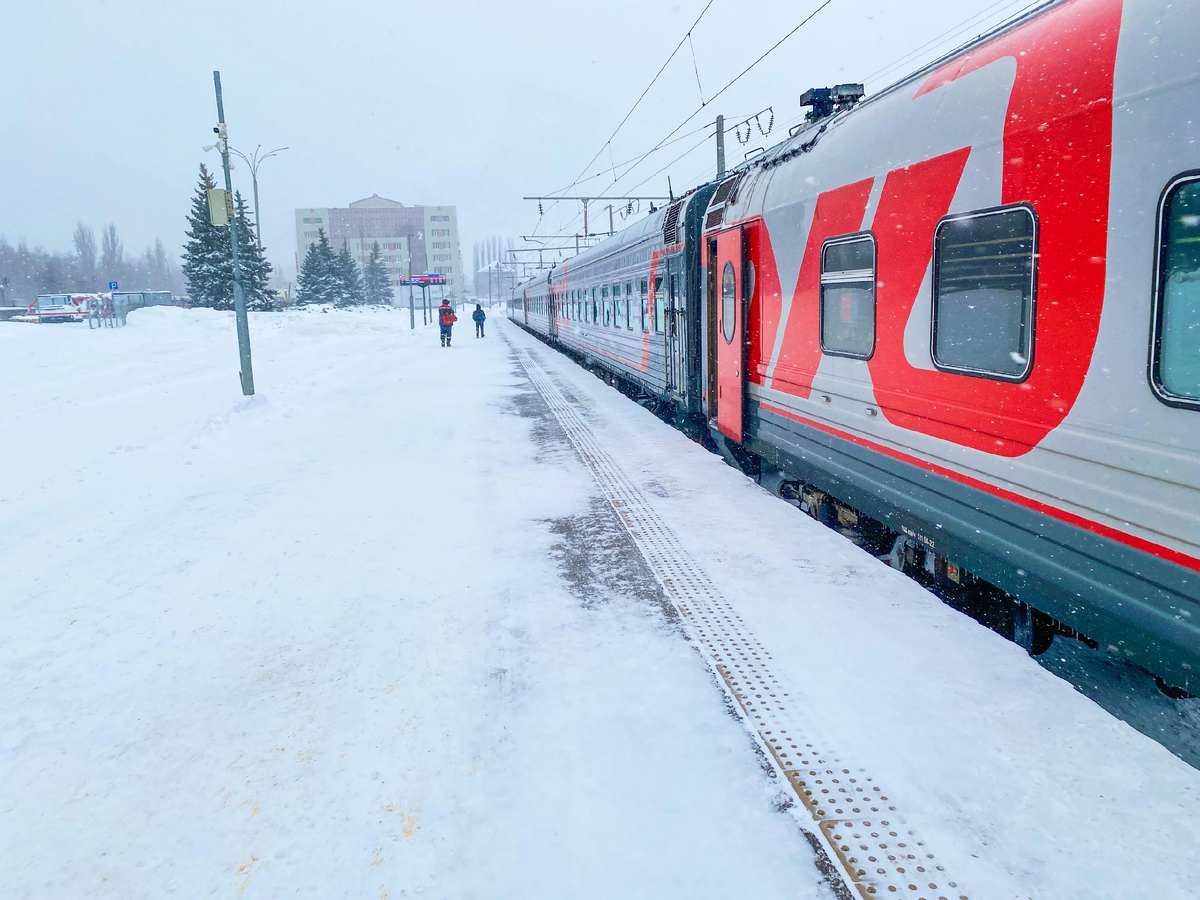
column 1126, row 599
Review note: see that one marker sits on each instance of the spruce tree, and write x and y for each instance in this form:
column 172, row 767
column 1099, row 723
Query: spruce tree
column 206, row 251
column 252, row 261
column 317, row 282
column 350, row 289
column 377, row 287
column 208, row 257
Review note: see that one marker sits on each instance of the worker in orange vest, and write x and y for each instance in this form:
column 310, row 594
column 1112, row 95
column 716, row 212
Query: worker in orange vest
column 446, row 320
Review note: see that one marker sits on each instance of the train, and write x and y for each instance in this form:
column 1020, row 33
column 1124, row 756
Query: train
column 958, row 320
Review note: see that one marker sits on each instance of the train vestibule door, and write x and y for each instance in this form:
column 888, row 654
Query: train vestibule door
column 552, row 309
column 730, row 337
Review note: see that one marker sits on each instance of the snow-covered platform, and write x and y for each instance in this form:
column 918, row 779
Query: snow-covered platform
column 416, row 621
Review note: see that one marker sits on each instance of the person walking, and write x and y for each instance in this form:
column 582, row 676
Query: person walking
column 446, row 320
column 479, row 316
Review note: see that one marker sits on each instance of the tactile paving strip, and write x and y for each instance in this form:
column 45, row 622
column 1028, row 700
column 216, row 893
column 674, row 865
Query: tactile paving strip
column 879, row 855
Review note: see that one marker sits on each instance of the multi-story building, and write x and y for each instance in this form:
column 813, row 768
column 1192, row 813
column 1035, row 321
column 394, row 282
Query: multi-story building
column 414, row 240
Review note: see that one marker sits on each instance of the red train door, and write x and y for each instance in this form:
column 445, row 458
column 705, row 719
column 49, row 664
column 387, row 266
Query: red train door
column 730, row 316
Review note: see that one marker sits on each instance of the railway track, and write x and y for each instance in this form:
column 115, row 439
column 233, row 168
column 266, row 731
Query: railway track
column 865, row 845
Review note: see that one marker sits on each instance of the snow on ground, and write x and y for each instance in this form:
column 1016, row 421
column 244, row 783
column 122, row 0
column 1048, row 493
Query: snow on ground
column 1029, row 788
column 373, row 632
column 370, row 633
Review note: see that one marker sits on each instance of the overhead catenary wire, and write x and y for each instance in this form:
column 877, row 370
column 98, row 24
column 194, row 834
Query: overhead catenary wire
column 675, row 140
column 737, row 77
column 642, row 96
column 627, row 167
column 707, row 137
column 957, row 30
column 1004, row 5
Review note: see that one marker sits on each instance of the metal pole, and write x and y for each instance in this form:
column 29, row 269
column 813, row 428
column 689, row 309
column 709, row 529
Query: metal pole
column 412, row 315
column 720, row 146
column 254, row 162
column 257, row 217
column 239, row 298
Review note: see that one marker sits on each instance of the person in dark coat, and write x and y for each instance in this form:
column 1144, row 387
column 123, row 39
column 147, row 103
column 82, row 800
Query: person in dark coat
column 479, row 316
column 446, row 320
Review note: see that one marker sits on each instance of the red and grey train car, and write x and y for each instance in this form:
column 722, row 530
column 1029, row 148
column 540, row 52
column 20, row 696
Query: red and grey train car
column 966, row 309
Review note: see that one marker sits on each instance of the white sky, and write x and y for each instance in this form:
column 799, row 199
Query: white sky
column 470, row 104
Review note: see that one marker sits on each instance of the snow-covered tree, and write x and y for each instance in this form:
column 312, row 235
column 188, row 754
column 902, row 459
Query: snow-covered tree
column 255, row 270
column 349, row 281
column 208, row 256
column 206, row 252
column 317, row 282
column 377, row 287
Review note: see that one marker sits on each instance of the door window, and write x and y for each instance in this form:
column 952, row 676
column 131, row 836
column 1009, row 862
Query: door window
column 728, row 302
column 660, row 303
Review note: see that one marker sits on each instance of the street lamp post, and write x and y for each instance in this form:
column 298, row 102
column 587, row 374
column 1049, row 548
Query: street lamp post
column 254, row 161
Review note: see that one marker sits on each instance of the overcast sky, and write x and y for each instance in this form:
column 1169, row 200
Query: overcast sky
column 108, row 104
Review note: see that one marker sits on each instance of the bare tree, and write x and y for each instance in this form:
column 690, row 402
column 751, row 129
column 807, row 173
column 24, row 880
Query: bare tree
column 85, row 252
column 112, row 254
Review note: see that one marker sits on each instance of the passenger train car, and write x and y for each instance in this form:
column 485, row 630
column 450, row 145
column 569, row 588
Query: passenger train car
column 961, row 318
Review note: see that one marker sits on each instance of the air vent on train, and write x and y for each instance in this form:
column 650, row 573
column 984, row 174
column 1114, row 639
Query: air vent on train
column 725, row 194
column 671, row 224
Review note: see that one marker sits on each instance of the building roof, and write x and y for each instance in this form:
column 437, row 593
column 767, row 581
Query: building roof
column 376, row 202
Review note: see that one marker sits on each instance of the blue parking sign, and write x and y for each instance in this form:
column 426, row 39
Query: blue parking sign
column 112, row 286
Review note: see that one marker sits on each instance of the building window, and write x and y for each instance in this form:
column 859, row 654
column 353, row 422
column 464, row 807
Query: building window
column 848, row 297
column 983, row 293
column 1175, row 362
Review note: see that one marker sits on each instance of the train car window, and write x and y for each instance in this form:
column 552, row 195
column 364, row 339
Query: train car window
column 594, row 310
column 645, row 295
column 1175, row 363
column 848, row 296
column 984, row 273
column 604, row 301
column 728, row 302
column 629, row 305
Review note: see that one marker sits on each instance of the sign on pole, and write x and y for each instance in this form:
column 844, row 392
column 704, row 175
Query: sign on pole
column 113, row 286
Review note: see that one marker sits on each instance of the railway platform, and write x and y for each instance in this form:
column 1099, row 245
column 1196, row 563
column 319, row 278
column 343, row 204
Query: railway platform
column 469, row 623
